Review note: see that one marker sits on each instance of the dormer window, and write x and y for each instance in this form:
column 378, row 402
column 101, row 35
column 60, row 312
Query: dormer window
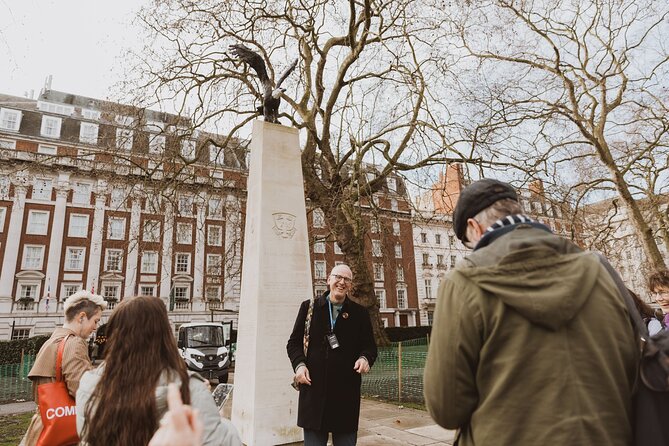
column 10, row 119
column 50, row 126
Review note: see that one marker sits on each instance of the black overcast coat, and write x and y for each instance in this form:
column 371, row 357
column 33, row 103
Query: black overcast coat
column 332, row 402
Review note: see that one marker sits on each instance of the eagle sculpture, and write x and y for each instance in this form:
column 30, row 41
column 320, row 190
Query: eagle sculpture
column 271, row 93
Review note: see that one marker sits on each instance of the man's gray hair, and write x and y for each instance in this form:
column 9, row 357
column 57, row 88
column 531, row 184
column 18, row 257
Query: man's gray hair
column 497, row 211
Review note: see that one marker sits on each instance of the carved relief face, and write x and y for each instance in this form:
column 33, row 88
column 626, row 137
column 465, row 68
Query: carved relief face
column 284, row 224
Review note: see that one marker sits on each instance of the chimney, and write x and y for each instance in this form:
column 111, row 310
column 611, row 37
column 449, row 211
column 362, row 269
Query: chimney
column 446, row 192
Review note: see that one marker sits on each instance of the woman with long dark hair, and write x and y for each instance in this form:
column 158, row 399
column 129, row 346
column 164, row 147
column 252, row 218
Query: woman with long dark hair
column 122, row 402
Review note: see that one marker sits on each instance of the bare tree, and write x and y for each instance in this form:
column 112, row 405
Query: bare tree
column 567, row 88
column 367, row 93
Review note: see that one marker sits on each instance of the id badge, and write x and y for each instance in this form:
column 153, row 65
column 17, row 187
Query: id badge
column 332, row 340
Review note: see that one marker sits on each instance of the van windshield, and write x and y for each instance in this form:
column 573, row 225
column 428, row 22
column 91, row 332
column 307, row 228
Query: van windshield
column 205, row 336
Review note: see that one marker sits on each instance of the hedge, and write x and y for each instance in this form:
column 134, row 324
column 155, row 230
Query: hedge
column 397, row 334
column 10, row 351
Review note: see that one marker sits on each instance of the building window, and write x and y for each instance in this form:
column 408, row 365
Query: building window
column 428, row 288
column 10, row 119
column 400, row 274
column 437, row 239
column 3, row 212
column 50, row 107
column 378, row 272
column 453, row 259
column 392, row 184
column 37, row 222
column 50, row 126
column 117, row 198
column 152, row 202
column 111, row 292
column 426, row 259
column 147, row 290
column 188, row 149
column 116, row 228
column 28, row 291
column 215, row 208
column 214, row 262
column 156, row 144
column 423, row 237
column 430, row 318
column 440, row 260
column 216, row 154
column 182, row 292
column 81, row 193
column 319, row 269
column 88, row 133
column 182, row 265
column 47, row 150
column 78, row 226
column 20, row 333
column 151, row 231
column 113, row 260
column 74, row 259
column 214, row 235
column 451, row 240
column 319, row 246
column 149, row 262
column 319, row 291
column 33, row 257
column 381, row 297
column 337, row 249
column 42, row 189
column 212, row 293
column 396, row 227
column 398, row 251
column 374, row 225
column 7, row 144
column 69, row 289
column 185, row 205
column 394, row 205
column 184, row 233
column 401, row 298
column 124, row 139
column 93, row 115
column 319, row 218
column 376, row 248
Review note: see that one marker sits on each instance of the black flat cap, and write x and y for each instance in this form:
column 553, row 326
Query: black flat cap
column 476, row 197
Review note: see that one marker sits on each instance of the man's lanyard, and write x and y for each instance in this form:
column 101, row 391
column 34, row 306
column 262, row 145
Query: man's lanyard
column 332, row 321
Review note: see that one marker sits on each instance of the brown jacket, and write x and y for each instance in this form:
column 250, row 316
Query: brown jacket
column 75, row 363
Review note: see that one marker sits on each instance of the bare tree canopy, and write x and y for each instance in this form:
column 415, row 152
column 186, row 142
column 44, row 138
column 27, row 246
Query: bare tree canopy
column 575, row 93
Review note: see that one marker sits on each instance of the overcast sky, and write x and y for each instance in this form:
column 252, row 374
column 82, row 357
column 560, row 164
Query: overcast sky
column 80, row 42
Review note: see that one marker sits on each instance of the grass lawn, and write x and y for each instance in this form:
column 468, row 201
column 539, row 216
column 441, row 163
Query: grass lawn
column 12, row 428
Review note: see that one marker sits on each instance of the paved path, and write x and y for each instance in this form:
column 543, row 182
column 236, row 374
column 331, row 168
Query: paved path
column 381, row 424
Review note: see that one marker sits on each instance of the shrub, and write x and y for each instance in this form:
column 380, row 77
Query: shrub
column 10, row 351
column 397, row 334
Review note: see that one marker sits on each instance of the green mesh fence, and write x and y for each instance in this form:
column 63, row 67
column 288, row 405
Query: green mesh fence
column 14, row 383
column 397, row 374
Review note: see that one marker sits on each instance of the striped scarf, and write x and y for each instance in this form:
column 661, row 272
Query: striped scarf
column 509, row 220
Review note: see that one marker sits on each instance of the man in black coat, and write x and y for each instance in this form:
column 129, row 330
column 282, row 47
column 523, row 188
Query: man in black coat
column 339, row 348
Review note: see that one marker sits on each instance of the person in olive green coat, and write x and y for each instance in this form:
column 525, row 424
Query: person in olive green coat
column 531, row 342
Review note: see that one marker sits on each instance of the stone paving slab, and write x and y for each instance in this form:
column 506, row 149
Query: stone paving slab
column 434, row 431
column 14, row 408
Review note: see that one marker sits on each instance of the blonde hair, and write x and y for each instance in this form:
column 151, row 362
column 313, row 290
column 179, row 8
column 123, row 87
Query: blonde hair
column 85, row 301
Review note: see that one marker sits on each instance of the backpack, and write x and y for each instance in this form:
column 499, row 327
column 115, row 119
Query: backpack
column 651, row 397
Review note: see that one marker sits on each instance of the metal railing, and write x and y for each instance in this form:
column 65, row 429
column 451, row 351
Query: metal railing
column 397, row 374
column 14, row 383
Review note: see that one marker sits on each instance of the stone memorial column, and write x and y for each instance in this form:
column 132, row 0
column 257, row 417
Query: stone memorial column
column 276, row 278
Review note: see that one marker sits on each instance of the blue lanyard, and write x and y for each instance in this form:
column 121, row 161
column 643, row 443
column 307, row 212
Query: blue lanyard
column 332, row 322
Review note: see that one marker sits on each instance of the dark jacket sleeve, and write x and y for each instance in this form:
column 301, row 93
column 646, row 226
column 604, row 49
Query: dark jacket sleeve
column 295, row 346
column 369, row 350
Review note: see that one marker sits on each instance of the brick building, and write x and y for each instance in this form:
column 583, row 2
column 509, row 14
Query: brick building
column 127, row 201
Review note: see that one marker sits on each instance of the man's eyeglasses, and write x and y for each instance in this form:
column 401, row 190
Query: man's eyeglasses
column 337, row 278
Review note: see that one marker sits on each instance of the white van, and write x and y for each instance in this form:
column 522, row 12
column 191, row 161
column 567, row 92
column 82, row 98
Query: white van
column 204, row 347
